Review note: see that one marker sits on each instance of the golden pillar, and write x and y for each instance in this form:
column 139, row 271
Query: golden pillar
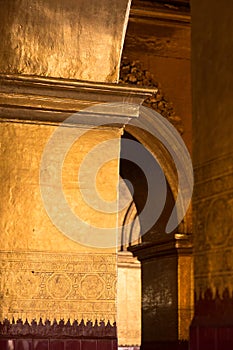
column 51, row 271
column 212, row 326
column 55, row 284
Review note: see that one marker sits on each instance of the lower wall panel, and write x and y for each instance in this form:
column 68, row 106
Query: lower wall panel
column 58, row 344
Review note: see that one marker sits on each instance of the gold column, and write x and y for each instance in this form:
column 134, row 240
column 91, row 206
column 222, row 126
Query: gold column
column 44, row 273
column 213, row 170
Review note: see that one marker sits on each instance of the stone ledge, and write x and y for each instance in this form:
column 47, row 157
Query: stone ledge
column 53, row 100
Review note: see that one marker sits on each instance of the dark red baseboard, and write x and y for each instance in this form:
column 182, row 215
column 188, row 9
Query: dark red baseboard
column 168, row 345
column 58, row 344
column 211, row 338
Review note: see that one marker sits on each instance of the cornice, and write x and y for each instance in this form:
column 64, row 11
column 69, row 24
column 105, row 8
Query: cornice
column 53, row 100
column 178, row 244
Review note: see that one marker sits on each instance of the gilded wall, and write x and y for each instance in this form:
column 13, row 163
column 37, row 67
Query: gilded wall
column 44, row 273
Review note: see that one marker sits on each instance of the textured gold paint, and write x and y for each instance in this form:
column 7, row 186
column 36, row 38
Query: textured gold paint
column 75, row 39
column 185, row 295
column 104, row 188
column 44, row 273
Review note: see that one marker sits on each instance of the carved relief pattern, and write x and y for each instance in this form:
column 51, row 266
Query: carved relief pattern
column 132, row 73
column 213, row 203
column 63, row 286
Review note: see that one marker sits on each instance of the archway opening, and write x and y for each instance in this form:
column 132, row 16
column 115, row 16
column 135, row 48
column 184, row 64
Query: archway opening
column 139, row 294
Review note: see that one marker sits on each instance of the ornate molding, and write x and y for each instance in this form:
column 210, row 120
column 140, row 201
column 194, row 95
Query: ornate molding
column 133, row 74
